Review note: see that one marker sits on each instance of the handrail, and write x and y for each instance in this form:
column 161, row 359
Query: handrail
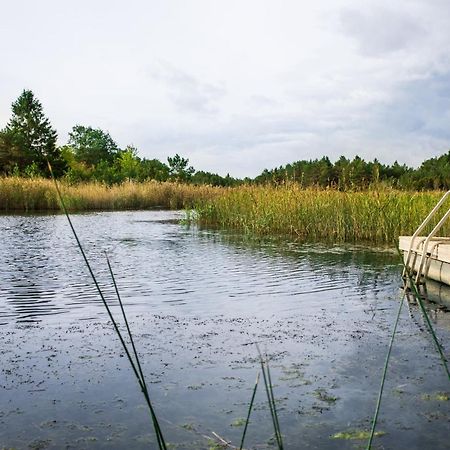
column 427, row 241
column 421, row 227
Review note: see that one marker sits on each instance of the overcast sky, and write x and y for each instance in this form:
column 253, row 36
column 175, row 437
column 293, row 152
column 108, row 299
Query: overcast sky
column 238, row 86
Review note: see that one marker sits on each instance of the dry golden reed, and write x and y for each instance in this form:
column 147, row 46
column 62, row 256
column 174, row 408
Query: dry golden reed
column 37, row 194
column 378, row 215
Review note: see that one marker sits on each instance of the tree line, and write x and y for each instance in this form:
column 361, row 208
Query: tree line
column 91, row 154
column 347, row 174
column 28, row 141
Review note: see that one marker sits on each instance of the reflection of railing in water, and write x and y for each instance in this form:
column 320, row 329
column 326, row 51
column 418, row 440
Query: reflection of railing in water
column 432, row 292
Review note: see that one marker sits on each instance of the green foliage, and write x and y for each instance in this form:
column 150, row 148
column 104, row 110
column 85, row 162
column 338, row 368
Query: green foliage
column 29, row 138
column 153, row 169
column 92, row 155
column 179, row 169
column 92, row 146
column 213, row 179
column 129, row 163
column 11, row 155
column 344, row 174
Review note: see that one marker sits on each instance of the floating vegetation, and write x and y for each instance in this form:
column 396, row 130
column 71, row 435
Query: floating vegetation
column 239, row 422
column 361, row 435
column 323, row 396
column 437, row 397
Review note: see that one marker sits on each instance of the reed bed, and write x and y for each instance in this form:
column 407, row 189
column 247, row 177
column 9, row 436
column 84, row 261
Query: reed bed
column 38, row 194
column 376, row 215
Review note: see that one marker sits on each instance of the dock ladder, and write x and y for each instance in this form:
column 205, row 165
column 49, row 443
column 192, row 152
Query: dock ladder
column 425, row 246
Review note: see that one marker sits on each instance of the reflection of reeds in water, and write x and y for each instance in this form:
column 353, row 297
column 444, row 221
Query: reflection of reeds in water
column 376, row 215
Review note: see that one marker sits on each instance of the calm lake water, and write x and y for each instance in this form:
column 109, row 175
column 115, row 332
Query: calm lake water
column 197, row 301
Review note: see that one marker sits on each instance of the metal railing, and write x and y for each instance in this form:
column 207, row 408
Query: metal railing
column 425, row 242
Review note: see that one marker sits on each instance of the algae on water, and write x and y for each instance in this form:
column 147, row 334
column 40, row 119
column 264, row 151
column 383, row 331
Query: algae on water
column 356, row 434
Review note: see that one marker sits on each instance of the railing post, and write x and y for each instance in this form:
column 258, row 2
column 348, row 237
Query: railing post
column 420, row 228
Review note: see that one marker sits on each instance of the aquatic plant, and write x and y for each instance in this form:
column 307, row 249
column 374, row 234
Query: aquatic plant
column 135, row 363
column 270, row 398
column 356, row 435
column 250, row 407
column 373, row 433
column 378, row 216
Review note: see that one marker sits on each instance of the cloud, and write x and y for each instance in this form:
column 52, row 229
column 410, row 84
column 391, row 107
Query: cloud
column 379, row 31
column 419, row 107
column 240, row 86
column 187, row 92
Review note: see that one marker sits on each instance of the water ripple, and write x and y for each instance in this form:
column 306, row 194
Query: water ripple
column 160, row 264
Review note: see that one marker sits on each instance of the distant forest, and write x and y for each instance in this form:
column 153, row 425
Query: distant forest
column 91, row 154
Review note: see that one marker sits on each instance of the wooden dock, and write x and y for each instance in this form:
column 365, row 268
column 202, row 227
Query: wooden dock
column 428, row 256
column 437, row 261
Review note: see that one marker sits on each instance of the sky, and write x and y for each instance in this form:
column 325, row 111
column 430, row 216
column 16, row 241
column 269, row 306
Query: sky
column 238, row 86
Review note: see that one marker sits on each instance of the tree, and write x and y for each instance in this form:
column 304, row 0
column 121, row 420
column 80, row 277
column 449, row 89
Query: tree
column 179, row 169
column 29, row 137
column 11, row 156
column 129, row 163
column 91, row 146
column 153, row 169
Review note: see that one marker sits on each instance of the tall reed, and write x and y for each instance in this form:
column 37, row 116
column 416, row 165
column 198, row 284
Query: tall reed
column 379, row 216
column 38, row 194
column 270, row 398
column 135, row 363
column 250, row 407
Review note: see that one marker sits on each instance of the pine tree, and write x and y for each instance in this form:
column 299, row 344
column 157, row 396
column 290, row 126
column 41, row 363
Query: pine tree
column 33, row 135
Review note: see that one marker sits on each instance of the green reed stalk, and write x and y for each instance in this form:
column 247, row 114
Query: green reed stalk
column 119, row 298
column 383, row 377
column 273, row 399
column 249, row 411
column 142, row 382
column 161, row 442
column 270, row 399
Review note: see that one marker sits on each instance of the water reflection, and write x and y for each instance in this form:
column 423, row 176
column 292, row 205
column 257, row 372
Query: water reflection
column 160, row 264
column 196, row 300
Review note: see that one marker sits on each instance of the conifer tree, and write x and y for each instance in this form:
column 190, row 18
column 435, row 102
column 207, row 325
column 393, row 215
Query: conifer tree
column 32, row 136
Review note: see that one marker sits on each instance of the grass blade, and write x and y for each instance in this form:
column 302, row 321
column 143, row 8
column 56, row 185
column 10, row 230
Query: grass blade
column 383, row 378
column 269, row 378
column 249, row 411
column 270, row 400
column 161, row 442
column 143, row 384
